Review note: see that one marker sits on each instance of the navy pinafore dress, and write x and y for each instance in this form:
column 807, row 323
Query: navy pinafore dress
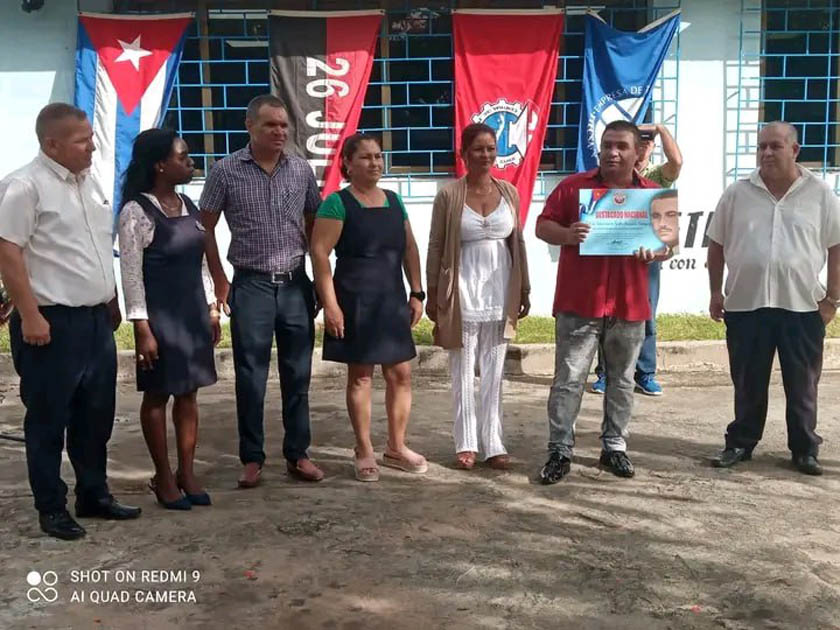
column 369, row 286
column 176, row 304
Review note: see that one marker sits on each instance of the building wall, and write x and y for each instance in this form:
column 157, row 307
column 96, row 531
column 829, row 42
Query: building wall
column 709, row 60
column 37, row 57
column 37, row 60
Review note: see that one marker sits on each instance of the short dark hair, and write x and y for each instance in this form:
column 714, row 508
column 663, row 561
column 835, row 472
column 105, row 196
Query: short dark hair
column 472, row 131
column 351, row 145
column 665, row 193
column 624, row 126
column 52, row 113
column 257, row 102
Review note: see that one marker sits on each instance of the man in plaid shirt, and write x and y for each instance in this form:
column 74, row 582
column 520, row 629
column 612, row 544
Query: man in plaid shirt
column 269, row 199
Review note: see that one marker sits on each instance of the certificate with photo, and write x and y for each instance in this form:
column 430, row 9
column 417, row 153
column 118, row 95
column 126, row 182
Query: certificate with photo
column 624, row 220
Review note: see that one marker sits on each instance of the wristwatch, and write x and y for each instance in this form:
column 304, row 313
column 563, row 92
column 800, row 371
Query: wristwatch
column 833, row 301
column 420, row 295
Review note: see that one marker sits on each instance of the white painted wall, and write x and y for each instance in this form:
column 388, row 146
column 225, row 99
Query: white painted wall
column 37, row 66
column 37, row 59
column 708, row 48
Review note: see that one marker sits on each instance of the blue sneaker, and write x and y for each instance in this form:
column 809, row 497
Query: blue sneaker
column 647, row 385
column 600, row 385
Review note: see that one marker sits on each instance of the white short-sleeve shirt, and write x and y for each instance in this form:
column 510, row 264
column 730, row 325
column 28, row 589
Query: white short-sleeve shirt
column 775, row 249
column 64, row 226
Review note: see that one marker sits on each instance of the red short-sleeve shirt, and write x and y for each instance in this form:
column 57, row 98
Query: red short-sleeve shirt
column 595, row 286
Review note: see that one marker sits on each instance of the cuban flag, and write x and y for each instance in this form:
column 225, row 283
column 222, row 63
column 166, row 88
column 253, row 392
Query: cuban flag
column 125, row 70
column 619, row 72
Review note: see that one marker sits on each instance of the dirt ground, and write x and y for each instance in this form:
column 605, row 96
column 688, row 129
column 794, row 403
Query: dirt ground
column 681, row 546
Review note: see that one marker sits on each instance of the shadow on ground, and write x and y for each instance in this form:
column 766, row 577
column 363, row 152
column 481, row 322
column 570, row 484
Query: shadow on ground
column 680, row 546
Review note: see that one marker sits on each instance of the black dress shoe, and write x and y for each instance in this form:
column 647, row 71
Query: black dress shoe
column 807, row 464
column 61, row 525
column 617, row 463
column 730, row 456
column 107, row 508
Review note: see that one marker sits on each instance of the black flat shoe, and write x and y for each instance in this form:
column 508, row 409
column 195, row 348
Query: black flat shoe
column 108, row 508
column 807, row 464
column 730, row 456
column 181, row 503
column 61, row 525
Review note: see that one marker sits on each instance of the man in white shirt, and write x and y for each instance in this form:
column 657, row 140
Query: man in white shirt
column 57, row 264
column 774, row 232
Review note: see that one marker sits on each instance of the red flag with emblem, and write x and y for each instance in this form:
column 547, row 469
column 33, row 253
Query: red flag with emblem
column 505, row 71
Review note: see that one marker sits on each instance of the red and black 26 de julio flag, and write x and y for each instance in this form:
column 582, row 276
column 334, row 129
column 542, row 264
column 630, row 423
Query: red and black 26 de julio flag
column 505, row 69
column 320, row 66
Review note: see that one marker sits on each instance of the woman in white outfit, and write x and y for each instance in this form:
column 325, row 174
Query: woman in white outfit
column 478, row 289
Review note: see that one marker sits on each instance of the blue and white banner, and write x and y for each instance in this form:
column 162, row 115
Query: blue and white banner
column 125, row 70
column 619, row 71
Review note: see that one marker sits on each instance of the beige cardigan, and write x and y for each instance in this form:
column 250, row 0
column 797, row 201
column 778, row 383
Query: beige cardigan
column 444, row 259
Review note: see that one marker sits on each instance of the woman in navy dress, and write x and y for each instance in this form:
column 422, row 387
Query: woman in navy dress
column 367, row 318
column 170, row 300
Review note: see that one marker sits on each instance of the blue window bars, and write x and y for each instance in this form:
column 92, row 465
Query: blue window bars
column 790, row 70
column 409, row 99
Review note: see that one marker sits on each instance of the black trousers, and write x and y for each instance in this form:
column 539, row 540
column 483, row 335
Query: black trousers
column 67, row 385
column 752, row 339
column 263, row 310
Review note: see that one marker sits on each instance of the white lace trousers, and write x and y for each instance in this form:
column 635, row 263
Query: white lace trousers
column 478, row 423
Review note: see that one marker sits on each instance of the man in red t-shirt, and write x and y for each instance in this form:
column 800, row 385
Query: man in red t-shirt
column 597, row 299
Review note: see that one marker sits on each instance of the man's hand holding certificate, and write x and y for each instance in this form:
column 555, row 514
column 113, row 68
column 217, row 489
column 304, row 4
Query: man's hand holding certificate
column 627, row 222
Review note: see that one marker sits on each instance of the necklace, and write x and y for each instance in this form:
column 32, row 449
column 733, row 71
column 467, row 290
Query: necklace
column 172, row 208
column 370, row 197
column 481, row 193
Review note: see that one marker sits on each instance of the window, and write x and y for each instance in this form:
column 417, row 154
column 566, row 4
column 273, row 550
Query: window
column 409, row 99
column 800, row 54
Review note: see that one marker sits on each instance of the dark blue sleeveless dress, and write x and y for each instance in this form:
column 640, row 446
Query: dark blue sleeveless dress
column 368, row 283
column 176, row 304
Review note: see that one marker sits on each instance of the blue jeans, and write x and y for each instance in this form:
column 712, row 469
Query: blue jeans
column 646, row 363
column 262, row 311
column 576, row 340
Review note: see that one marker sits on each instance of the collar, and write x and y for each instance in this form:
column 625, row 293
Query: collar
column 804, row 174
column 246, row 156
column 595, row 174
column 62, row 172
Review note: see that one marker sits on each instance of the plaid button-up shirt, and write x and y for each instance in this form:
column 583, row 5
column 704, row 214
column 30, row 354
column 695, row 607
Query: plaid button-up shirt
column 265, row 213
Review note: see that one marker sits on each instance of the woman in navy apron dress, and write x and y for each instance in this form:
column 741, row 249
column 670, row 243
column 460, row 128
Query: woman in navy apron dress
column 367, row 316
column 169, row 299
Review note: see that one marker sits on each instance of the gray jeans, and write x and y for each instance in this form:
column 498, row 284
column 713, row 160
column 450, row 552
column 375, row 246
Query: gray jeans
column 576, row 341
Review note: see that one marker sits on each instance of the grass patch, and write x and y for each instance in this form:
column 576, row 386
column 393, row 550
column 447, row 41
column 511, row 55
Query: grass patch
column 686, row 327
column 531, row 330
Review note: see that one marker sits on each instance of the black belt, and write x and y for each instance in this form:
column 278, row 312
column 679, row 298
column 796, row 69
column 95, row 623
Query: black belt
column 62, row 307
column 274, row 277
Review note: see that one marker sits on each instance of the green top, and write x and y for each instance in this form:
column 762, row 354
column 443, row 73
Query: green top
column 654, row 173
column 333, row 208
